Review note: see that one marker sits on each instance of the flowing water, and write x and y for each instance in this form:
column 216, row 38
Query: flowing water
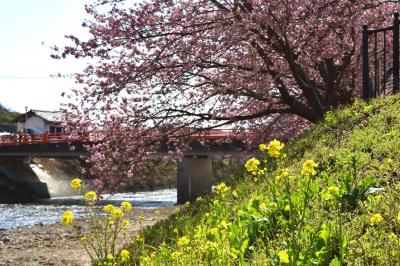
column 49, row 211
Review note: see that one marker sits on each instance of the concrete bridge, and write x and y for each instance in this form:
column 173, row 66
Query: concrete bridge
column 194, row 171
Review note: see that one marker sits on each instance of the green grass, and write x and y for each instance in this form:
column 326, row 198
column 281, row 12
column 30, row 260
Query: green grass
column 286, row 217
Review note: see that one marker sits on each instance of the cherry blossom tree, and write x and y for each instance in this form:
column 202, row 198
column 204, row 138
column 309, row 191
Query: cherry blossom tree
column 168, row 69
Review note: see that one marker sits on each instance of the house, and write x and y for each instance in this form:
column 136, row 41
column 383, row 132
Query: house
column 39, row 121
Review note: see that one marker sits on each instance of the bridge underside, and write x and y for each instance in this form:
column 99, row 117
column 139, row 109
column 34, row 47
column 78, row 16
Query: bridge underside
column 194, row 171
column 51, row 150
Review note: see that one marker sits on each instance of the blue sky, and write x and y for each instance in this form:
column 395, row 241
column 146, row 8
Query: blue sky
column 27, row 29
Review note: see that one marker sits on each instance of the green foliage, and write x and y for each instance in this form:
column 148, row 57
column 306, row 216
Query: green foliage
column 100, row 236
column 287, row 210
column 6, row 116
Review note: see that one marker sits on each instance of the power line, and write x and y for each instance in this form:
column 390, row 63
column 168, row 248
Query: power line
column 36, row 77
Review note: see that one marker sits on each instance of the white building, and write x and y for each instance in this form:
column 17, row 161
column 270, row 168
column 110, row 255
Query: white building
column 38, row 121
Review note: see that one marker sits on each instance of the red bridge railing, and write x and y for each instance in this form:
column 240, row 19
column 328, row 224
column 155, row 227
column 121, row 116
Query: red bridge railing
column 16, row 139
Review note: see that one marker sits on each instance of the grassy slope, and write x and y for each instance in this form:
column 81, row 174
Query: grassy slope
column 356, row 148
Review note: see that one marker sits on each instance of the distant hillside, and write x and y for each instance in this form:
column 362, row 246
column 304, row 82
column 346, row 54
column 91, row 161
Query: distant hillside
column 6, row 116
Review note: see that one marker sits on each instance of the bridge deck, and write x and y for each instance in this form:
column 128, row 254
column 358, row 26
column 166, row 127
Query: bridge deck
column 59, row 145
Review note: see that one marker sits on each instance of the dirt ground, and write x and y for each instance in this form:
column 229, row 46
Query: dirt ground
column 54, row 245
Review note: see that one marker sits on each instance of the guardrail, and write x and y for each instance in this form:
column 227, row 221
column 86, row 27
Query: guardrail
column 15, row 139
column 22, row 138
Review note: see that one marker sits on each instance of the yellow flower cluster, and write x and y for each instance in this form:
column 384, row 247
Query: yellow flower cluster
column 76, row 184
column 271, row 206
column 262, row 147
column 124, row 255
column 183, row 241
column 309, row 168
column 209, row 245
column 67, row 218
column 109, row 208
column 90, row 197
column 274, row 148
column 176, row 254
column 330, row 193
column 126, row 206
column 375, row 219
column 116, row 213
column 252, row 164
column 221, row 188
column 283, row 256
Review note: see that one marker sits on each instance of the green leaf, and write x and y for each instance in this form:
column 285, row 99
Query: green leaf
column 334, row 262
column 244, row 245
column 324, row 235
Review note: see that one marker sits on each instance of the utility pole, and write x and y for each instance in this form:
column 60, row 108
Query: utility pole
column 26, row 118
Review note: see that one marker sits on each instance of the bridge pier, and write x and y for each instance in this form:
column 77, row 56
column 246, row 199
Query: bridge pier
column 18, row 183
column 194, row 177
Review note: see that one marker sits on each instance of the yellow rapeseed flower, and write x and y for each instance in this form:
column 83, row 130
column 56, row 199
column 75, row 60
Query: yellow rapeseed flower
column 109, row 208
column 283, row 256
column 209, row 245
column 67, row 218
column 126, row 206
column 124, row 255
column 262, row 147
column 90, row 197
column 213, row 231
column 375, row 219
column 83, row 238
column 110, row 256
column 157, row 212
column 326, row 196
column 252, row 164
column 235, row 194
column 76, row 184
column 221, row 188
column 309, row 168
column 262, row 206
column 187, row 204
column 224, row 224
column 117, row 214
column 176, row 254
column 125, row 222
column 274, row 148
column 334, row 190
column 183, row 241
column 392, row 236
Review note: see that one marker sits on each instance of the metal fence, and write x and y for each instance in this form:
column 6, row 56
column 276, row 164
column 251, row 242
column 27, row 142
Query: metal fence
column 380, row 48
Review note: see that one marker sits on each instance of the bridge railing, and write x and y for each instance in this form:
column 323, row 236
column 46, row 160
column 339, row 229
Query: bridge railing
column 15, row 139
column 23, row 138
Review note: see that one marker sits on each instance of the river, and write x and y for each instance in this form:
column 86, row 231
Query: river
column 49, row 211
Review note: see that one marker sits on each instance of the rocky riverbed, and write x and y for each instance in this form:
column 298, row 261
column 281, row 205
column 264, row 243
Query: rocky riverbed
column 55, row 245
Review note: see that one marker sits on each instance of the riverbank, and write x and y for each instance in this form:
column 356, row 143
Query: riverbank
column 54, row 245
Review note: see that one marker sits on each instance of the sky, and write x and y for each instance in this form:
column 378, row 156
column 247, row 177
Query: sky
column 28, row 28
